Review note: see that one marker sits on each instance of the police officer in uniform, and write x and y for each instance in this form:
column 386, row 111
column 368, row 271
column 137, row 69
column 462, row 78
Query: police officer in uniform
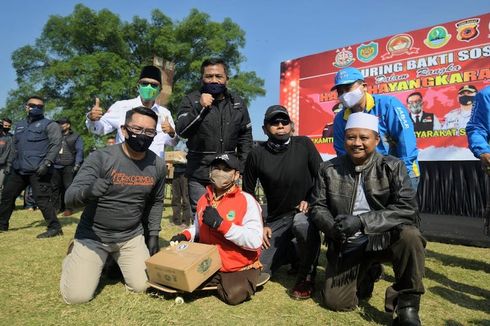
column 37, row 141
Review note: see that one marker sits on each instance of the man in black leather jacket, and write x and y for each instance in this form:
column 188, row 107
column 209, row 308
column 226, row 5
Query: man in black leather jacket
column 213, row 120
column 365, row 205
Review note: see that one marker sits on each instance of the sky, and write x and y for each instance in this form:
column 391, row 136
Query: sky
column 276, row 30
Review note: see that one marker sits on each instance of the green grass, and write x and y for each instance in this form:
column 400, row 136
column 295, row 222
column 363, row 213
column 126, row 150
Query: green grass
column 457, row 290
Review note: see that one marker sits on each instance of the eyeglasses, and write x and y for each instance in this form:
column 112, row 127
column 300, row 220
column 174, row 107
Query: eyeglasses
column 140, row 131
column 153, row 85
column 33, row 106
column 276, row 122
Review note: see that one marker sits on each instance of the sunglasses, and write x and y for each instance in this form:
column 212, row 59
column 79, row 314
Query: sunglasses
column 276, row 122
column 153, row 85
column 33, row 106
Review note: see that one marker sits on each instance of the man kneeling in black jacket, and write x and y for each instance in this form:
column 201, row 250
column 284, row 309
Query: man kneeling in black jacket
column 365, row 205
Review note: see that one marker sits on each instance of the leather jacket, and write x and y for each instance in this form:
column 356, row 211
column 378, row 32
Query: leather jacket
column 387, row 189
column 222, row 128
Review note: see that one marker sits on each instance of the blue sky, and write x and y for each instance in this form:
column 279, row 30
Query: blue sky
column 275, row 30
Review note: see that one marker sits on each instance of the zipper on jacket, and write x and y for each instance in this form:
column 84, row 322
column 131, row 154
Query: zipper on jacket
column 351, row 206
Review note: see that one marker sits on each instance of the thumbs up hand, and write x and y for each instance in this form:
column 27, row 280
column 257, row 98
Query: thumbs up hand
column 96, row 113
column 167, row 128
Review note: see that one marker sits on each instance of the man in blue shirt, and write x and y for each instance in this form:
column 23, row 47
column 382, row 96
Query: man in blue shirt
column 396, row 130
column 478, row 131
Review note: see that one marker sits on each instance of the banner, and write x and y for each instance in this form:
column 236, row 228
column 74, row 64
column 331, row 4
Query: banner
column 432, row 71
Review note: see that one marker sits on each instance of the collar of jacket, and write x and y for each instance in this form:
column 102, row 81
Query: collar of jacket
column 31, row 119
column 210, row 193
column 369, row 106
column 368, row 163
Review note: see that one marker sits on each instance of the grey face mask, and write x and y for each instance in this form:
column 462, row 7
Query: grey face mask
column 415, row 108
column 222, row 180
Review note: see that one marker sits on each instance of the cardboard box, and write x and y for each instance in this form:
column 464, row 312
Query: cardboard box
column 184, row 266
column 176, row 157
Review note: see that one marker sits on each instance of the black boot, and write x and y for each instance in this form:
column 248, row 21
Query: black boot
column 407, row 310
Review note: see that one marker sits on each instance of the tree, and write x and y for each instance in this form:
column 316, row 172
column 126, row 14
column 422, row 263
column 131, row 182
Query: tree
column 88, row 54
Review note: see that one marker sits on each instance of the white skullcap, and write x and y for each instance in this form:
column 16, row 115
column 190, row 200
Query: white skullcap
column 362, row 120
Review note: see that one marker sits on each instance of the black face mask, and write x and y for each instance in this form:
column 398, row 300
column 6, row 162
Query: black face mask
column 6, row 130
column 138, row 143
column 277, row 145
column 466, row 99
column 35, row 113
column 213, row 88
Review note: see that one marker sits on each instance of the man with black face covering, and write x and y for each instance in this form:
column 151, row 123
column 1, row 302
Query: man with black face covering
column 6, row 152
column 286, row 167
column 214, row 120
column 121, row 187
column 37, row 141
column 459, row 117
column 7, row 124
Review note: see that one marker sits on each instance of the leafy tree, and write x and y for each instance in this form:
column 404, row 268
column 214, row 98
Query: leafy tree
column 89, row 53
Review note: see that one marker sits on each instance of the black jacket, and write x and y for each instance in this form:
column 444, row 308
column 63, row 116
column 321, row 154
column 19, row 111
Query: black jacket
column 225, row 127
column 387, row 188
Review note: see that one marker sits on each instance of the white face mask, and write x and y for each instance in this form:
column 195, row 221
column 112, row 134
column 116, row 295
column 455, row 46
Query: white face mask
column 350, row 99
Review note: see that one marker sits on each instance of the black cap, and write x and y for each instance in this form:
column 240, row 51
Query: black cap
column 469, row 88
column 63, row 121
column 274, row 110
column 151, row 72
column 229, row 159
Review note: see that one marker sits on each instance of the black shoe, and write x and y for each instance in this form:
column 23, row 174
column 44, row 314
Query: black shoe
column 407, row 310
column 408, row 316
column 50, row 233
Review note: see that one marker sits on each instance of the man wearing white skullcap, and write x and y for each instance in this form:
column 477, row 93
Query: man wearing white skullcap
column 365, row 205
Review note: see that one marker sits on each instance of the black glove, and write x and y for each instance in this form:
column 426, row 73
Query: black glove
column 76, row 168
column 7, row 170
column 211, row 217
column 153, row 244
column 43, row 169
column 347, row 225
column 97, row 189
column 178, row 237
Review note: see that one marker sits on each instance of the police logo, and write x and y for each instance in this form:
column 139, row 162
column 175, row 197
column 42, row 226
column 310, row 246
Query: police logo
column 343, row 58
column 398, row 45
column 367, row 52
column 437, row 37
column 467, row 29
column 230, row 216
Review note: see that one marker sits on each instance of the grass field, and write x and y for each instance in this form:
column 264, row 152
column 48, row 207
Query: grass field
column 457, row 290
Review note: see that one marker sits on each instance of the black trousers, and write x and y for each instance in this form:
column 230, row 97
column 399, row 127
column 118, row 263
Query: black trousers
column 295, row 240
column 61, row 180
column 181, row 208
column 344, row 273
column 41, row 190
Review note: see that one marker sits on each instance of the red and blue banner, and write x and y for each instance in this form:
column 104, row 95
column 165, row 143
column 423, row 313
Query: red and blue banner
column 430, row 66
